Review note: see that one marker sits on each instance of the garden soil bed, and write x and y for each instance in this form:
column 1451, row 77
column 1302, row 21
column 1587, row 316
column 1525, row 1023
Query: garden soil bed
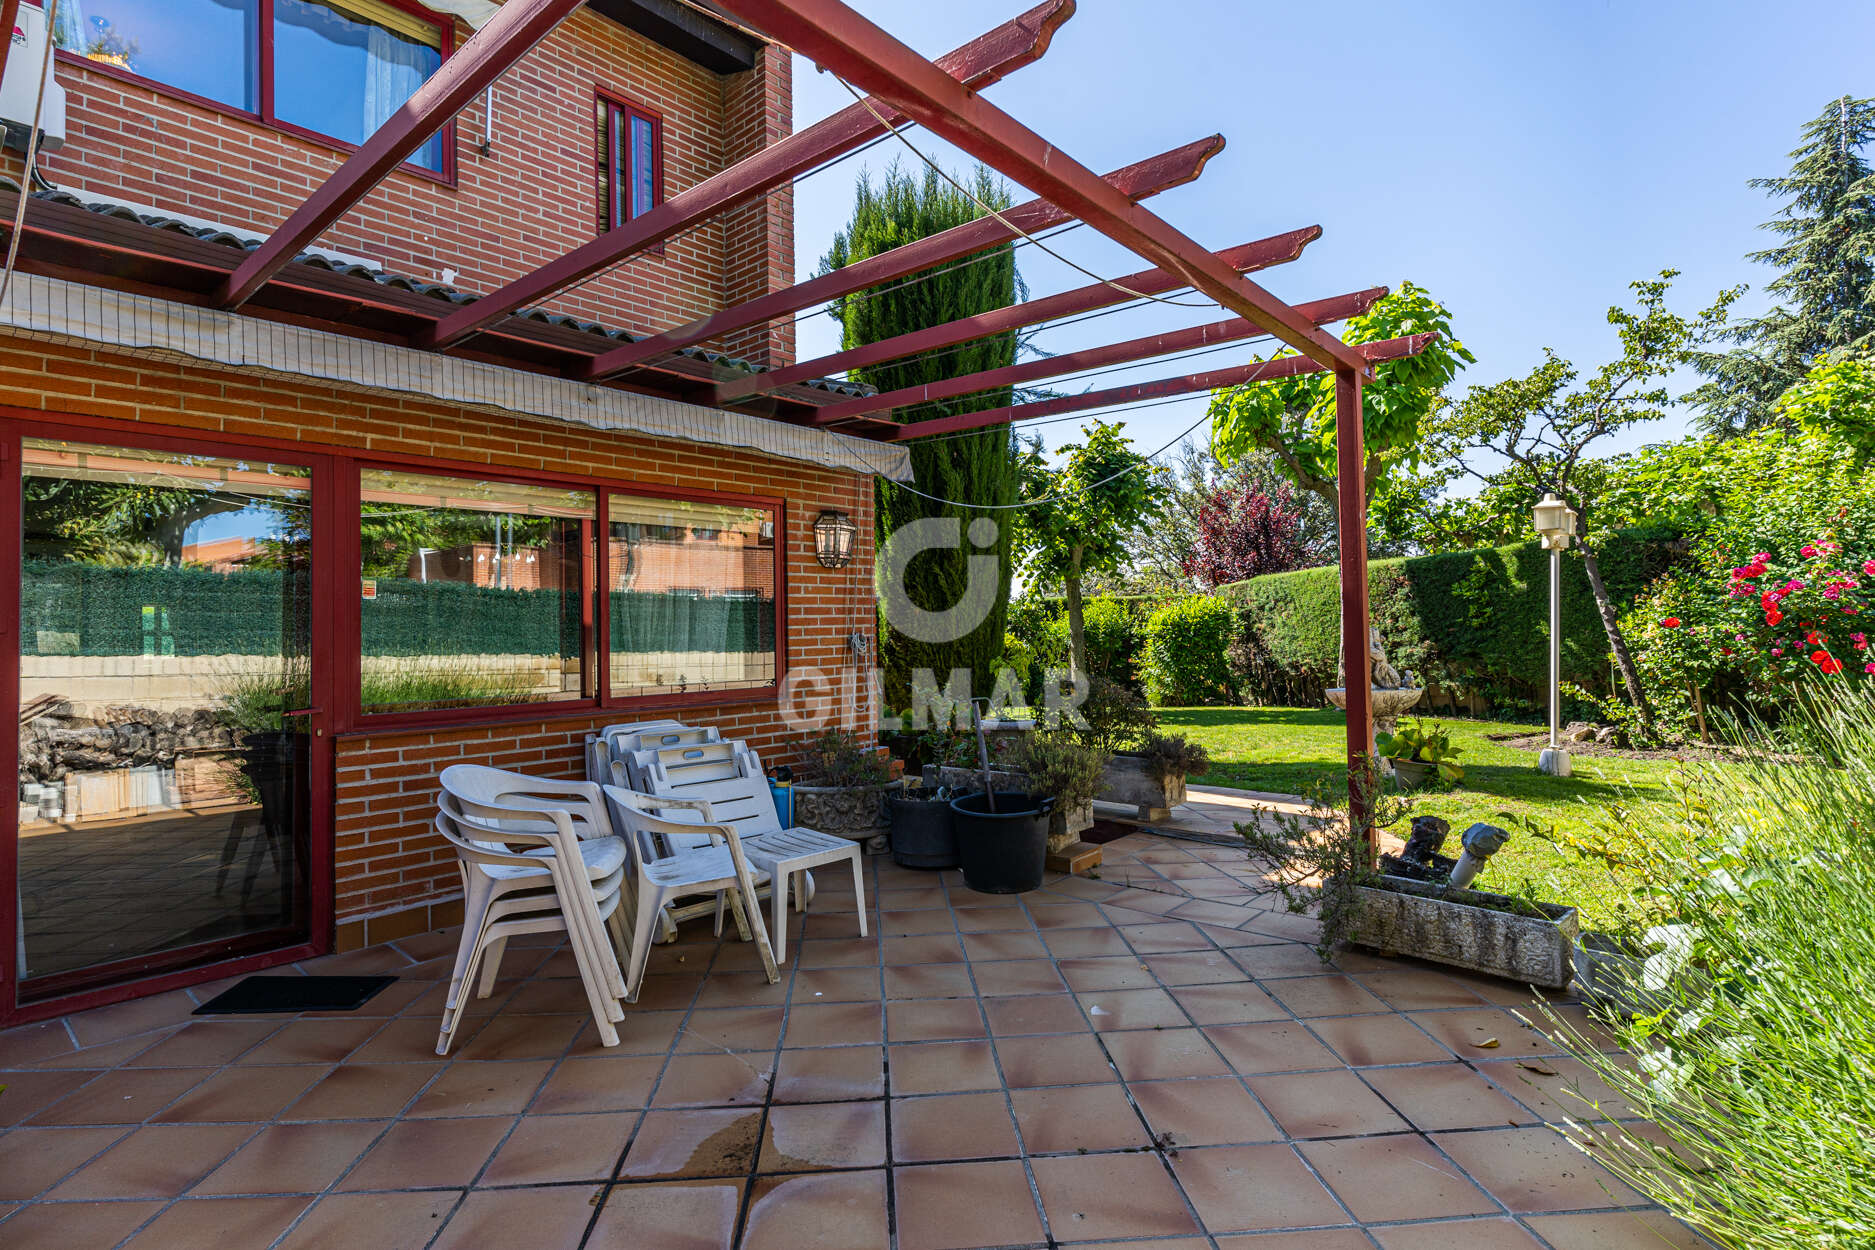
column 1682, row 751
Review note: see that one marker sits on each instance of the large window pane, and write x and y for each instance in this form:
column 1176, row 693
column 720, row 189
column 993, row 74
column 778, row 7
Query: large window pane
column 692, row 596
column 164, row 629
column 471, row 592
column 208, row 47
column 342, row 69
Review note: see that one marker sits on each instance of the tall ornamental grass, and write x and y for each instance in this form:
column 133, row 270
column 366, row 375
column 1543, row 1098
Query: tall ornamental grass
column 1758, row 1060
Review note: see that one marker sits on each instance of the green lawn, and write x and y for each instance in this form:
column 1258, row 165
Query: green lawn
column 1292, row 750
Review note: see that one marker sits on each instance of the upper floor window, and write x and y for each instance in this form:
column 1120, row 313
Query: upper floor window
column 631, row 162
column 336, row 68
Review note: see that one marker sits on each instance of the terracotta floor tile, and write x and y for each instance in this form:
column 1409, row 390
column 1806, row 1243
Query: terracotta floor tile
column 472, row 1087
column 992, row 920
column 679, row 1215
column 34, row 1091
column 1040, row 1013
column 910, row 898
column 519, row 1036
column 1381, row 1039
column 429, row 1154
column 834, row 1074
column 1066, row 915
column 846, row 952
column 381, row 1221
column 33, row 1160
column 1211, row 1112
column 195, row 1223
column 952, row 1126
column 1195, row 968
column 1273, row 1047
column 1419, row 989
column 1235, row 1002
column 718, row 1029
column 1395, row 1178
column 641, row 1032
column 835, row 985
column 834, row 1024
column 1077, row 1117
column 139, row 1015
column 1469, row 1234
column 412, row 1039
column 1435, row 1097
column 363, row 1091
column 291, row 1158
column 1534, row 1169
column 981, row 947
column 127, row 1096
column 31, row 1043
column 675, row 992
column 942, row 1067
column 1110, row 1195
column 244, row 1094
column 312, row 1041
column 1069, row 1059
column 112, row 1054
column 1250, row 1188
column 549, row 1218
column 1086, row 943
column 1015, row 977
column 1316, row 1239
column 672, row 1145
column 1331, row 995
column 205, row 1043
column 1557, row 1088
column 933, row 949
column 1324, row 1104
column 1466, row 1032
column 548, row 1149
column 69, row 1225
column 1281, row 959
column 1111, row 1010
column 1619, row 1230
column 819, row 1136
column 1163, row 1054
column 846, row 1211
column 1000, row 1210
column 713, row 1080
column 608, row 1084
column 915, row 923
column 943, row 1019
column 929, row 981
column 1161, row 937
column 156, row 1161
column 1107, row 972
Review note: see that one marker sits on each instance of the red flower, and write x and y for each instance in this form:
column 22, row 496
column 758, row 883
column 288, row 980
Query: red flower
column 1725, row 651
column 1825, row 661
column 1772, row 616
column 1868, row 566
column 1671, row 622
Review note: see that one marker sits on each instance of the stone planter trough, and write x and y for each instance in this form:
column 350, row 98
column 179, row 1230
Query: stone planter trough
column 1486, row 933
column 1131, row 779
column 856, row 812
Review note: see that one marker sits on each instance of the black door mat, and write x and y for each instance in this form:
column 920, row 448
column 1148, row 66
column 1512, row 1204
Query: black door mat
column 270, row 995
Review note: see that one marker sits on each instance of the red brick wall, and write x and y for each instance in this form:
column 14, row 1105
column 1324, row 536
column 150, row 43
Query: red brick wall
column 533, row 198
column 387, row 859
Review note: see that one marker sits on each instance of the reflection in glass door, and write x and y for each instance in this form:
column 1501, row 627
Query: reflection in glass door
column 165, row 672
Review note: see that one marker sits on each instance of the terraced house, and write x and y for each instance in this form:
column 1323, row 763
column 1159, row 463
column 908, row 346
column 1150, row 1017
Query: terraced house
column 282, row 556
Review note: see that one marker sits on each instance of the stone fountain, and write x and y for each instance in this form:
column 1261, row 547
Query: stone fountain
column 1393, row 692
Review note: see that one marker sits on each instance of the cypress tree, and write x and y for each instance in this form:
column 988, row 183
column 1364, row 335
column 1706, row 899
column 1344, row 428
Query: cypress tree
column 979, row 468
column 1826, row 287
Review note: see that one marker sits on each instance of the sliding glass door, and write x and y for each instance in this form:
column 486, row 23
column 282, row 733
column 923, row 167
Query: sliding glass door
column 166, row 676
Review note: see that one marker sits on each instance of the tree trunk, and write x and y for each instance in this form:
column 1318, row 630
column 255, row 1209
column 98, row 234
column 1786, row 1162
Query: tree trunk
column 1611, row 625
column 1077, row 642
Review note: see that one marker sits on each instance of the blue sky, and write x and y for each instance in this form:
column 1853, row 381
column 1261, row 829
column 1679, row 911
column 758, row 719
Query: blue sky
column 1523, row 161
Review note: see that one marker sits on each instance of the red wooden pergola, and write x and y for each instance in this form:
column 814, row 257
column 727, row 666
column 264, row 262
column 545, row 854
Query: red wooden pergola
column 902, row 88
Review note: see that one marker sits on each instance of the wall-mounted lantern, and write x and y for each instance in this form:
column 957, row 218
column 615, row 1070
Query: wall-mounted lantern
column 833, row 539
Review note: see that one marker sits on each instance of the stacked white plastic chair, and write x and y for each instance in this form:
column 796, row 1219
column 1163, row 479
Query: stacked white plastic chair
column 536, row 856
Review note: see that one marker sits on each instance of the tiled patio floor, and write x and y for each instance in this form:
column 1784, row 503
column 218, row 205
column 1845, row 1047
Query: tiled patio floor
column 1152, row 1059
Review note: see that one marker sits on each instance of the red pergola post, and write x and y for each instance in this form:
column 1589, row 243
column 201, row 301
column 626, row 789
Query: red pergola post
column 9, row 17
column 1351, row 530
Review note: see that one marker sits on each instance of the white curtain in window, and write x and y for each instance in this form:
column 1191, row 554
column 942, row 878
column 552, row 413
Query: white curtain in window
column 396, row 68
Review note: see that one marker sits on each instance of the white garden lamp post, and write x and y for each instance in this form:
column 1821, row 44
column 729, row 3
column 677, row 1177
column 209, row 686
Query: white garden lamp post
column 1556, row 523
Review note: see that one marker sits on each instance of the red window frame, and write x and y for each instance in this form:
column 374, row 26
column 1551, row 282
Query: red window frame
column 264, row 116
column 612, row 113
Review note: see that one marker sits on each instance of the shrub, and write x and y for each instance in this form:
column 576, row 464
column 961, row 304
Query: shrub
column 837, row 758
column 1059, row 764
column 1186, row 644
column 1755, row 1063
column 1172, row 755
column 1117, row 719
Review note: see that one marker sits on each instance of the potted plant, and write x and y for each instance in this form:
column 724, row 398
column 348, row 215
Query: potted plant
column 1057, row 764
column 846, row 782
column 1002, row 839
column 923, row 835
column 1419, row 752
column 1323, row 860
column 1145, row 769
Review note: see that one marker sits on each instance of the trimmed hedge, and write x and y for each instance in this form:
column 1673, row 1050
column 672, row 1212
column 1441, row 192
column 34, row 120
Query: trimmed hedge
column 1187, row 642
column 1465, row 620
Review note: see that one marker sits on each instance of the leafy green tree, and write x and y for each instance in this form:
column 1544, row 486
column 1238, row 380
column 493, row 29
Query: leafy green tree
column 1836, row 399
column 1542, row 426
column 1162, row 550
column 1084, row 515
column 1293, row 419
column 1826, row 287
column 978, row 469
column 116, row 523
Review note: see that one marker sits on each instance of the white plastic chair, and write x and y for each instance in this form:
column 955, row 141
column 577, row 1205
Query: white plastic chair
column 716, row 871
column 508, row 892
column 598, row 745
column 505, row 800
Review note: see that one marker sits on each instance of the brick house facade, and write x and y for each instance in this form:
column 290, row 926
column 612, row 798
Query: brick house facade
column 380, row 872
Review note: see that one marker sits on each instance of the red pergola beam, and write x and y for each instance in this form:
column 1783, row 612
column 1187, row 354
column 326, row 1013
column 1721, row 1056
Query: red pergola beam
column 9, row 18
column 976, row 65
column 1267, row 371
column 1148, row 177
column 1231, row 330
column 841, row 40
column 1275, row 250
column 508, row 36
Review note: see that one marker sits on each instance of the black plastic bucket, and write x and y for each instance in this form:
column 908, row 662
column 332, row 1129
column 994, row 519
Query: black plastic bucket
column 922, row 835
column 1002, row 852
